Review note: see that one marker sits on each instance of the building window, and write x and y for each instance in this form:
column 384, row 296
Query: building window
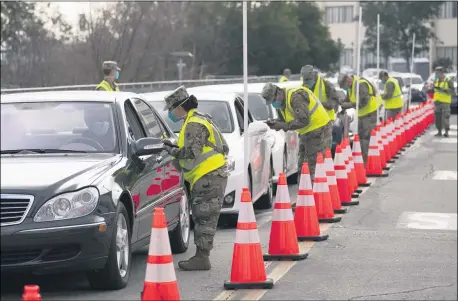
column 446, row 52
column 449, row 10
column 339, row 14
column 346, row 57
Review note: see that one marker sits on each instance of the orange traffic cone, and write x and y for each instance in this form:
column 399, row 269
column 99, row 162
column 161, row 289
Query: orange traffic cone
column 321, row 194
column 160, row 279
column 332, row 183
column 248, row 270
column 31, row 293
column 381, row 149
column 351, row 185
column 305, row 217
column 283, row 238
column 373, row 164
column 359, row 163
column 386, row 146
column 342, row 178
column 354, row 179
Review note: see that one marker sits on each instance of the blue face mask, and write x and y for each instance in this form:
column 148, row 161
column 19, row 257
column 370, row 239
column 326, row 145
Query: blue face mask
column 173, row 118
column 117, row 75
column 276, row 104
column 310, row 84
column 345, row 88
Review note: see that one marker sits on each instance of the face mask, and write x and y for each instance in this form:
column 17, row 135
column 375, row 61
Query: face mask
column 173, row 118
column 345, row 88
column 436, row 76
column 310, row 84
column 276, row 104
column 100, row 128
column 117, row 75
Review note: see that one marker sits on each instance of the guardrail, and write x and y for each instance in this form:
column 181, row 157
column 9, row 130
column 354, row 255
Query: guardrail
column 152, row 86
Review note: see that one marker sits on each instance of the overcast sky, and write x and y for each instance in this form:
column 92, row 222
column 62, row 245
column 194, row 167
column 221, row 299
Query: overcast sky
column 71, row 10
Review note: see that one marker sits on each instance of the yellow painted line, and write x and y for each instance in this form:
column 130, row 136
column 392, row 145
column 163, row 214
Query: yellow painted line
column 229, row 294
column 282, row 269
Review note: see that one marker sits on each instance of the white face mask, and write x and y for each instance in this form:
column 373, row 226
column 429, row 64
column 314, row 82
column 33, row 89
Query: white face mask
column 100, row 128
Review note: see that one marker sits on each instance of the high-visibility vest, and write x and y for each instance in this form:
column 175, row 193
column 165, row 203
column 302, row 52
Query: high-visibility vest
column 104, row 85
column 283, row 79
column 318, row 115
column 395, row 102
column 212, row 156
column 441, row 96
column 372, row 105
column 320, row 93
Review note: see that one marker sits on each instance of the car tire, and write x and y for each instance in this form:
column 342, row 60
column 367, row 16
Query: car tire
column 179, row 237
column 267, row 200
column 110, row 277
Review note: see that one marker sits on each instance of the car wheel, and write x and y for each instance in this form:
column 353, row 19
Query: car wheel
column 115, row 274
column 179, row 237
column 267, row 200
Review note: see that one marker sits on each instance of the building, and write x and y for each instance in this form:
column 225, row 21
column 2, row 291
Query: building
column 340, row 16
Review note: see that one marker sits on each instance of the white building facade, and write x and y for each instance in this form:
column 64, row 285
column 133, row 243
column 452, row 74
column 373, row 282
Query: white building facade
column 340, row 17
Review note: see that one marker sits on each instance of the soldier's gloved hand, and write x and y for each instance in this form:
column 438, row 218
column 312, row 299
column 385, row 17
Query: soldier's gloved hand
column 346, row 105
column 278, row 125
column 168, row 148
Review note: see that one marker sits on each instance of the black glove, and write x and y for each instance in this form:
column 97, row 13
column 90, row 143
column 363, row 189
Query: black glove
column 278, row 125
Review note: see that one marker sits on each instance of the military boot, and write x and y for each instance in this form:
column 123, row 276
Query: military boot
column 446, row 134
column 439, row 133
column 198, row 262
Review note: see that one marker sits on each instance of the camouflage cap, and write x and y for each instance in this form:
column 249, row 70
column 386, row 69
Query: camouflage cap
column 176, row 98
column 286, row 70
column 268, row 92
column 439, row 69
column 382, row 73
column 110, row 65
column 308, row 72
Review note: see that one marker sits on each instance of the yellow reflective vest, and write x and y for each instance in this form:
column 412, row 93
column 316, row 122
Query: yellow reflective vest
column 372, row 105
column 395, row 102
column 104, row 85
column 439, row 95
column 318, row 115
column 320, row 93
column 212, row 156
column 283, row 79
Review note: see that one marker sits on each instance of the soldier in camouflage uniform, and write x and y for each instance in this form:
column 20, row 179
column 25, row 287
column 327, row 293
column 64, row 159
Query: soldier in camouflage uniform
column 365, row 123
column 443, row 91
column 311, row 143
column 208, row 191
column 328, row 98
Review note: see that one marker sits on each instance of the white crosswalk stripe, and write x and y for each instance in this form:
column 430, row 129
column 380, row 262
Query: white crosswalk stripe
column 445, row 175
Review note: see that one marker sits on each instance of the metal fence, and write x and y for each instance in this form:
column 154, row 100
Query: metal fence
column 154, row 86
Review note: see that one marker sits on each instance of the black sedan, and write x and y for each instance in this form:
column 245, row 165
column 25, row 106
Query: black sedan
column 82, row 172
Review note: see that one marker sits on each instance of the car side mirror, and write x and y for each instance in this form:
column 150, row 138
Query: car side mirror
column 148, row 146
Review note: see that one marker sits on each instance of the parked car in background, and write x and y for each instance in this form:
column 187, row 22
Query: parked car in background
column 82, row 172
column 226, row 111
column 285, row 145
column 416, row 83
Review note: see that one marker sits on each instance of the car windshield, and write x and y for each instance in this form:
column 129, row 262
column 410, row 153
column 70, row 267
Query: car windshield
column 258, row 108
column 415, row 80
column 58, row 127
column 218, row 110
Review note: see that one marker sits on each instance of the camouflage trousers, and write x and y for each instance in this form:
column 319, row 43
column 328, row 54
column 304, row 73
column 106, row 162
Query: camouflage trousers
column 392, row 113
column 365, row 126
column 206, row 202
column 442, row 115
column 311, row 144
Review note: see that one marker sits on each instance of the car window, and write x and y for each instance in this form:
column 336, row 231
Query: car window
column 77, row 126
column 400, row 81
column 149, row 120
column 415, row 80
column 218, row 110
column 258, row 107
column 136, row 130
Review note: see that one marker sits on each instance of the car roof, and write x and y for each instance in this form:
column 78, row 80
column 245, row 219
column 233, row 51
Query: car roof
column 199, row 94
column 405, row 74
column 59, row 96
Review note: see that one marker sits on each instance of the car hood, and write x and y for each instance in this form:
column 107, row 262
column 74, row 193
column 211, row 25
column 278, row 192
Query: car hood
column 33, row 173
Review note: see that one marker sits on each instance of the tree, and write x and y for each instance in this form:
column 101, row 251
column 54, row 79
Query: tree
column 444, row 62
column 400, row 20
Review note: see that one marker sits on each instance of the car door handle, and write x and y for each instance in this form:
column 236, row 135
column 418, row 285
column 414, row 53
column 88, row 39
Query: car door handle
column 159, row 159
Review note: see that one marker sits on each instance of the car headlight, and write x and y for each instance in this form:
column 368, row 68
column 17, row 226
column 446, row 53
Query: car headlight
column 68, row 205
column 230, row 163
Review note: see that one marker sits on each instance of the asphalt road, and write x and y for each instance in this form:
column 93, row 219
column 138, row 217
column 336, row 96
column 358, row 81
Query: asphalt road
column 394, row 245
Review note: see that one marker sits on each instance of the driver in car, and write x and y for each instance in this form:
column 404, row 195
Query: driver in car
column 100, row 129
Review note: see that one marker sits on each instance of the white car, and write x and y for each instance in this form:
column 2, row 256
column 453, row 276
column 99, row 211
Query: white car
column 285, row 146
column 226, row 110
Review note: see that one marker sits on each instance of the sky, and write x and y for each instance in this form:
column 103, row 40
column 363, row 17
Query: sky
column 72, row 10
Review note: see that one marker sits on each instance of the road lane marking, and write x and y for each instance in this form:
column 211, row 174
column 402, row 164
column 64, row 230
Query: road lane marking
column 445, row 175
column 451, row 133
column 454, row 127
column 427, row 221
column 446, row 140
